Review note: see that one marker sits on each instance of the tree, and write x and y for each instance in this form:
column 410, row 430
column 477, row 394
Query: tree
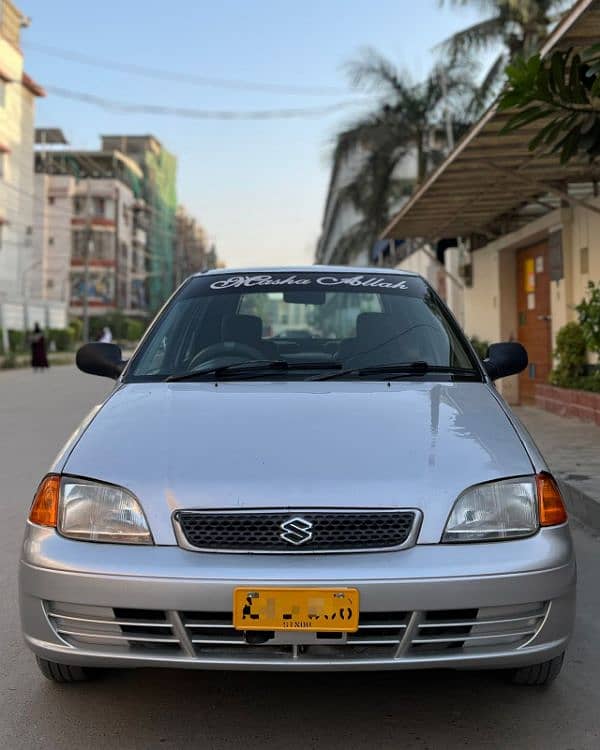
column 562, row 93
column 409, row 120
column 589, row 317
column 519, row 26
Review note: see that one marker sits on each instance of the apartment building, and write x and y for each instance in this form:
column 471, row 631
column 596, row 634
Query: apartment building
column 92, row 229
column 191, row 246
column 342, row 219
column 21, row 301
column 159, row 168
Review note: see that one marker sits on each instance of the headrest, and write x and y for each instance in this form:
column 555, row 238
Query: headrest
column 376, row 327
column 242, row 328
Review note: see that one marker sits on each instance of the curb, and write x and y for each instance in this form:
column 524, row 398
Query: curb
column 581, row 505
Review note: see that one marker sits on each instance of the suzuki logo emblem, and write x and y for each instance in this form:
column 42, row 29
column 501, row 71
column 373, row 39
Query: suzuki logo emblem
column 296, row 531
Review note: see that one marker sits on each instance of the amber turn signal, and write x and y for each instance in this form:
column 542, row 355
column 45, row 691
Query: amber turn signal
column 44, row 510
column 551, row 506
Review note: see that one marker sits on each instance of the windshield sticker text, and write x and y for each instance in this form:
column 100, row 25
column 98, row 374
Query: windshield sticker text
column 373, row 282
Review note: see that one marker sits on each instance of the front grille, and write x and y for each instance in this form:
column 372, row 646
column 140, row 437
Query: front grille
column 298, row 531
column 383, row 637
column 118, row 628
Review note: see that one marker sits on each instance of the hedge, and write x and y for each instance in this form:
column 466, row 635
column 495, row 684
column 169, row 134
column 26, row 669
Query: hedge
column 18, row 341
column 63, row 338
column 122, row 328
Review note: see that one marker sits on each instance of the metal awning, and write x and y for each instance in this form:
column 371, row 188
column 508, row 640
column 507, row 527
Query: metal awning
column 489, row 175
column 50, row 136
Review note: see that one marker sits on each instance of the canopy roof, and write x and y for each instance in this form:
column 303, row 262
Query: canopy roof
column 489, row 175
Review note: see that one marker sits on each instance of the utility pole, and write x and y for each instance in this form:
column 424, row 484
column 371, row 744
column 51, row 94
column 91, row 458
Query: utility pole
column 87, row 251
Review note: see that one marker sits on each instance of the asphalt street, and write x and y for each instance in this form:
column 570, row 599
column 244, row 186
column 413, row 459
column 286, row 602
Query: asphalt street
column 193, row 709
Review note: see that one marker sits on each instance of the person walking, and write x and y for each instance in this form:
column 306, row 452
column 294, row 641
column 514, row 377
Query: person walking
column 106, row 336
column 39, row 359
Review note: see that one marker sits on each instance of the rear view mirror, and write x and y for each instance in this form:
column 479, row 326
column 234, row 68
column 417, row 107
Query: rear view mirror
column 508, row 358
column 105, row 360
column 304, row 298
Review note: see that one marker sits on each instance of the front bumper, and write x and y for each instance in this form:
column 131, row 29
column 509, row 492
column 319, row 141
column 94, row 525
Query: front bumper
column 461, row 606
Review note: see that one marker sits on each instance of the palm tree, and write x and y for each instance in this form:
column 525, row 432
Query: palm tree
column 410, row 119
column 519, row 26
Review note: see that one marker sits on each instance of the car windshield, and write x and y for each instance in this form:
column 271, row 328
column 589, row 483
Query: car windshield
column 298, row 325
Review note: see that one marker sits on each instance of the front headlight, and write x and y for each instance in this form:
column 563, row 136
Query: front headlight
column 99, row 512
column 507, row 509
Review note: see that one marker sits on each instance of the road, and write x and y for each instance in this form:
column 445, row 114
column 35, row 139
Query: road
column 189, row 709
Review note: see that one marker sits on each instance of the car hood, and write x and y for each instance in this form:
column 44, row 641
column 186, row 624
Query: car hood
column 299, row 445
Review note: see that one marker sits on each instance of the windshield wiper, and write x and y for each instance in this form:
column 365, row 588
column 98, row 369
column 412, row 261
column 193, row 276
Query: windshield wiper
column 400, row 369
column 253, row 367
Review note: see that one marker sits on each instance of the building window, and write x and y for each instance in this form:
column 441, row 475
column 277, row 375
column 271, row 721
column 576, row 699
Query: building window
column 99, row 206
column 103, row 245
column 51, row 240
column 78, row 206
column 50, row 200
column 50, row 284
column 123, row 250
column 584, row 260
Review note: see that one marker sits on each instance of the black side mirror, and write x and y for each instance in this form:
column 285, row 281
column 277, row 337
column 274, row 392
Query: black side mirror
column 508, row 358
column 105, row 360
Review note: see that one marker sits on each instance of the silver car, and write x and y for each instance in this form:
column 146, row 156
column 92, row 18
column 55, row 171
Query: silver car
column 300, row 469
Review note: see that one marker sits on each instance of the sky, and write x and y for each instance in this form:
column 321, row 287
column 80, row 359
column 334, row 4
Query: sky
column 257, row 187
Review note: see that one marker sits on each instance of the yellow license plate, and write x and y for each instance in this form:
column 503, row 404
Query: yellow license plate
column 333, row 610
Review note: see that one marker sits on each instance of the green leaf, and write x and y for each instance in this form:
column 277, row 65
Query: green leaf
column 590, row 52
column 543, row 90
column 557, row 66
column 570, row 145
column 589, row 121
column 540, row 137
column 556, row 130
column 577, row 91
column 525, row 116
column 509, row 100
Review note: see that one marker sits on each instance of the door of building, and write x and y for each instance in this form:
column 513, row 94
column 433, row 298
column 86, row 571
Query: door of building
column 534, row 320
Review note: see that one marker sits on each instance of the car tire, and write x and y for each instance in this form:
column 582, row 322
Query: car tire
column 63, row 672
column 538, row 674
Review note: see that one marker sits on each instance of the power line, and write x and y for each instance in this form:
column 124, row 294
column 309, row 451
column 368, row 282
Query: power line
column 53, row 212
column 190, row 78
column 200, row 114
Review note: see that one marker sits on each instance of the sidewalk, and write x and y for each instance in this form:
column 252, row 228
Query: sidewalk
column 572, row 450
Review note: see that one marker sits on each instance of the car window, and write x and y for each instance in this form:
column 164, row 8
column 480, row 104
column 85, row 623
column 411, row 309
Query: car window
column 334, row 319
column 344, row 320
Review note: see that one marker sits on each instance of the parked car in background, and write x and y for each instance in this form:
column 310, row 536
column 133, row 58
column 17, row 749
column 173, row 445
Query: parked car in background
column 357, row 496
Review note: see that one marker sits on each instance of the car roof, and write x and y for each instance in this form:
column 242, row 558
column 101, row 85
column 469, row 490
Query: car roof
column 307, row 269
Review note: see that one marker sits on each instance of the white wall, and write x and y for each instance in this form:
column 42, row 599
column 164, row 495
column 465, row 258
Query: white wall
column 16, row 188
column 422, row 263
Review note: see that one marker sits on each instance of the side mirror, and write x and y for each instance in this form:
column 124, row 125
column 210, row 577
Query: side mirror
column 105, row 360
column 508, row 358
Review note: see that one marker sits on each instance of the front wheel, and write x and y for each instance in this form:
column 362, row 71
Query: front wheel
column 56, row 672
column 538, row 674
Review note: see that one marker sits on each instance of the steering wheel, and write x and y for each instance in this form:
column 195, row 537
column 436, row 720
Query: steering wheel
column 215, row 351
